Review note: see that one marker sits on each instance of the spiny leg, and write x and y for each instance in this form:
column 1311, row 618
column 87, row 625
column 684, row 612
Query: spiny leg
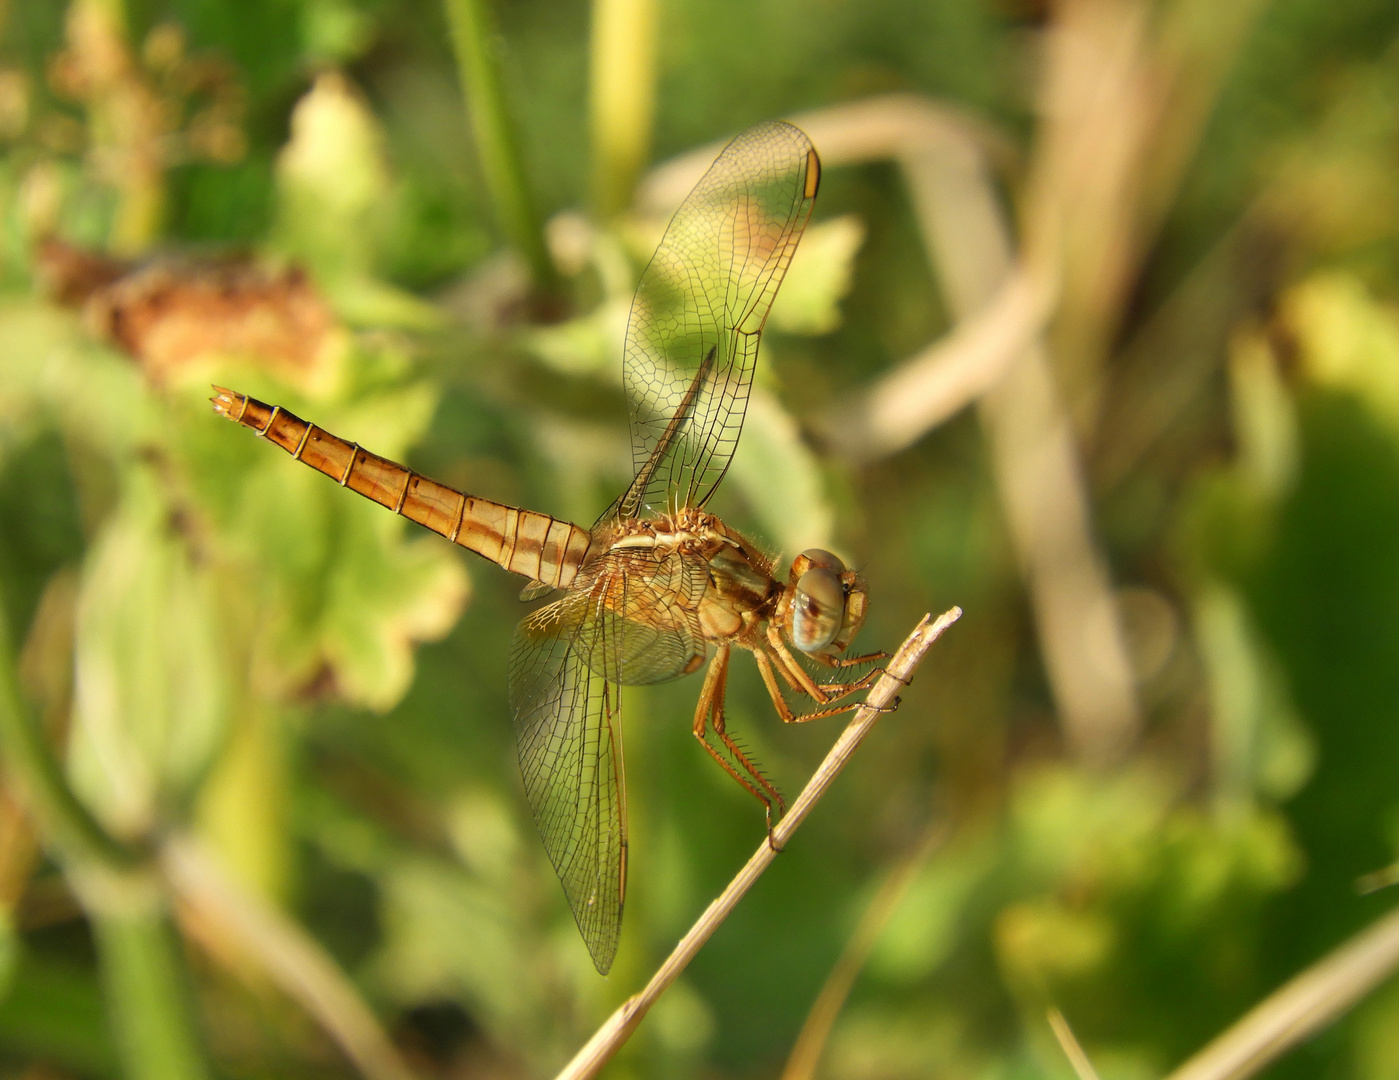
column 850, row 661
column 802, row 683
column 837, row 690
column 855, row 661
column 709, row 715
column 767, row 667
column 794, row 673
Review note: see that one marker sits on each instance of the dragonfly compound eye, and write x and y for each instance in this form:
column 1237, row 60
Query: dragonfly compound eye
column 818, row 608
column 821, row 557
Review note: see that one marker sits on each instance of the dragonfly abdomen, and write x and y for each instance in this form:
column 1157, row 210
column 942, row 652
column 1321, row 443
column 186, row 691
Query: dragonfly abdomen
column 537, row 546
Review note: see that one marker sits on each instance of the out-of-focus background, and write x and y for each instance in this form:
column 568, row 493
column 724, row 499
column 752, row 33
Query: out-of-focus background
column 1095, row 333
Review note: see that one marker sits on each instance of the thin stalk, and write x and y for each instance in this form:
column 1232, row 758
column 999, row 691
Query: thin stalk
column 1302, row 1007
column 476, row 43
column 811, row 1040
column 613, row 1034
column 147, row 988
column 148, row 995
column 295, row 961
column 1068, row 1042
column 621, row 99
column 69, row 826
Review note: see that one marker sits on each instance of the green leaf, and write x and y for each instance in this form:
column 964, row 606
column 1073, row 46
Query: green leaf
column 1347, row 340
column 152, row 684
column 819, row 277
column 333, row 195
column 780, row 478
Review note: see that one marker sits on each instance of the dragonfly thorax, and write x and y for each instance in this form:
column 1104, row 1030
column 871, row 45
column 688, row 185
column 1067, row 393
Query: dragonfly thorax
column 728, row 579
column 819, row 610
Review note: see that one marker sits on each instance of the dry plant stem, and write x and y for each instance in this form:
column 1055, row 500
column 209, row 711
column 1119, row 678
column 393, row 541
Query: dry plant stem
column 1379, row 879
column 999, row 314
column 1302, row 1007
column 608, row 1039
column 294, row 961
column 1097, row 101
column 1068, row 1042
column 811, row 1040
column 1045, row 500
column 933, row 385
column 1038, row 469
column 1127, row 87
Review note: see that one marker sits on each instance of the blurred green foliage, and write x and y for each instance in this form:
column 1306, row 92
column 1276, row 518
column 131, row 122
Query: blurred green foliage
column 217, row 641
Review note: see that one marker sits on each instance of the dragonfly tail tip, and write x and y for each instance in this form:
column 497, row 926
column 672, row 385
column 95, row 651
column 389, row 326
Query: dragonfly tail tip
column 223, row 401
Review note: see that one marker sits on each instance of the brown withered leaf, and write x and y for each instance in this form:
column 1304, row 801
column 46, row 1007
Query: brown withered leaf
column 171, row 311
column 70, row 275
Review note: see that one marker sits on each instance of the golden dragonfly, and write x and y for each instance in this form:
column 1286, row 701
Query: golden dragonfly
column 658, row 586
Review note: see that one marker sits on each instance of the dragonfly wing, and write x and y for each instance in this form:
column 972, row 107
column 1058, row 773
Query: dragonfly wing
column 692, row 339
column 625, row 625
column 568, row 730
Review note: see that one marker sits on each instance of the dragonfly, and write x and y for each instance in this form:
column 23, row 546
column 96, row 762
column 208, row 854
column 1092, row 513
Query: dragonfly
column 658, row 587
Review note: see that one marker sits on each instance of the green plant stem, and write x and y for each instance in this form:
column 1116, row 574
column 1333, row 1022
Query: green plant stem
column 148, row 995
column 622, row 98
column 68, row 825
column 147, row 988
column 477, row 43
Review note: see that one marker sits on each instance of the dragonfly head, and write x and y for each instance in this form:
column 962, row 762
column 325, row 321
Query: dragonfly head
column 825, row 603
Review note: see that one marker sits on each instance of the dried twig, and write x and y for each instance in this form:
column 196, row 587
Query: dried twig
column 1302, row 1007
column 1068, row 1042
column 608, row 1039
column 1038, row 469
column 929, row 387
column 294, row 960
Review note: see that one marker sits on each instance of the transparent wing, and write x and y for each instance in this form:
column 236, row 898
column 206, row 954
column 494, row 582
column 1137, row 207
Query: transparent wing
column 692, row 339
column 568, row 731
column 567, row 663
column 644, row 630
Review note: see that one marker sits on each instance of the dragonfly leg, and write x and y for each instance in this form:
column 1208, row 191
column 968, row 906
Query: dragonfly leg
column 794, row 673
column 780, row 668
column 822, row 693
column 850, row 661
column 836, row 691
column 853, row 661
column 767, row 667
column 709, row 720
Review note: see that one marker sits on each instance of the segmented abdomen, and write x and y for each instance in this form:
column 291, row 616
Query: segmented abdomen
column 538, row 546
